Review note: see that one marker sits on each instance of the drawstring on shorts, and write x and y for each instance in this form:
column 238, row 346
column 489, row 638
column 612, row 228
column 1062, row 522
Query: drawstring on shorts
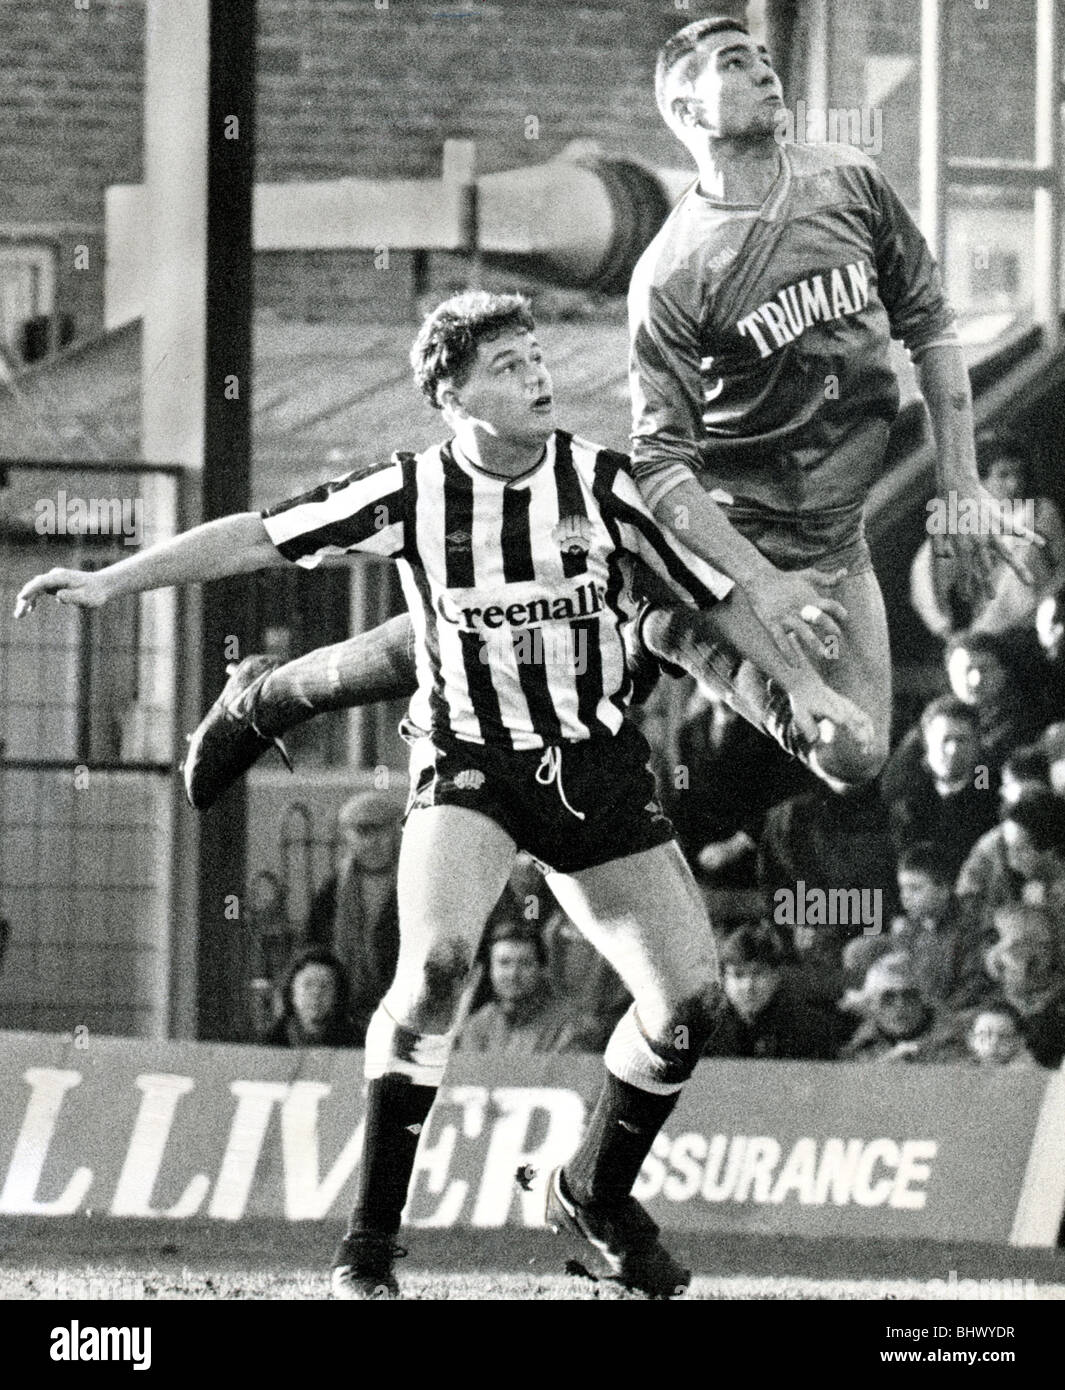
column 550, row 770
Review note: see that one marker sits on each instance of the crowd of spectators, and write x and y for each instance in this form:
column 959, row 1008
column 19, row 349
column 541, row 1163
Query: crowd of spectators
column 959, row 845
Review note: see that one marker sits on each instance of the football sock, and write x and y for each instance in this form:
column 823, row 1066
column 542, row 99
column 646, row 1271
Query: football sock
column 375, row 665
column 396, row 1111
column 642, row 1084
column 619, row 1136
column 676, row 637
column 404, row 1070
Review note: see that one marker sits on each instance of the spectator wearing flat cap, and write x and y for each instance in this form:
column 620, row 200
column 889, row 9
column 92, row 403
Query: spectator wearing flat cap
column 355, row 913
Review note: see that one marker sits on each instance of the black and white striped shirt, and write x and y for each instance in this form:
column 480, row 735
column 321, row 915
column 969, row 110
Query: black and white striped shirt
column 512, row 585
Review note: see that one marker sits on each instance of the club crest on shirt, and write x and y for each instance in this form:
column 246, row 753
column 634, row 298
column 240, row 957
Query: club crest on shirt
column 573, row 536
column 470, row 780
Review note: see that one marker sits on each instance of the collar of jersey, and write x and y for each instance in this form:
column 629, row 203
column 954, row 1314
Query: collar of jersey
column 772, row 201
column 472, row 471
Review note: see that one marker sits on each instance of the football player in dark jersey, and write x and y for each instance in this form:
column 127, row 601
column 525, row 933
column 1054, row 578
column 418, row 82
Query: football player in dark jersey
column 760, row 320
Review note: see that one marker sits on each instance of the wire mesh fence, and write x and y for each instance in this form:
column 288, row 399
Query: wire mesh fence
column 87, row 740
column 86, row 733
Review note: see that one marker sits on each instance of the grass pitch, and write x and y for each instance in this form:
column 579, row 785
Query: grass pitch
column 109, row 1260
column 122, row 1283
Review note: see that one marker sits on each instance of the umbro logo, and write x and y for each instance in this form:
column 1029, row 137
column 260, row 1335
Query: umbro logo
column 469, row 780
column 458, row 540
column 413, row 1129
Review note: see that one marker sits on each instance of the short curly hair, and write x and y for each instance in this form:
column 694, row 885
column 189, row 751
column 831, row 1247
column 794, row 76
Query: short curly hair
column 446, row 346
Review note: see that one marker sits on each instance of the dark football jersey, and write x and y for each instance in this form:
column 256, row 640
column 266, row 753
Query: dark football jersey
column 760, row 335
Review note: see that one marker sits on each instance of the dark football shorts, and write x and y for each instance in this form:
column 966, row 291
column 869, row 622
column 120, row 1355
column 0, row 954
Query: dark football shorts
column 829, row 539
column 535, row 796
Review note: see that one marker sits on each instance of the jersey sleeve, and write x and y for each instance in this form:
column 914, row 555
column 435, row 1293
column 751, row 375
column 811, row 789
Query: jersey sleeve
column 361, row 511
column 909, row 282
column 666, row 386
column 686, row 573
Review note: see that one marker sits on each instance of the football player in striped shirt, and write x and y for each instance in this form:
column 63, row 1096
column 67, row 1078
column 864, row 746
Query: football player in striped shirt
column 510, row 538
column 762, row 392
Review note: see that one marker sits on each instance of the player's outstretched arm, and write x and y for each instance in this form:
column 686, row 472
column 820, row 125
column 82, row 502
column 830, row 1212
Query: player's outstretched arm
column 944, row 381
column 735, row 621
column 786, row 603
column 234, row 544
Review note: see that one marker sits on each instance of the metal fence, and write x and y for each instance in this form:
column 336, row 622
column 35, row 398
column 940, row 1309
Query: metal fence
column 86, row 732
column 87, row 737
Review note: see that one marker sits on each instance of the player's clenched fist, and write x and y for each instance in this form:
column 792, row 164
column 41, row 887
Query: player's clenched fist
column 82, row 588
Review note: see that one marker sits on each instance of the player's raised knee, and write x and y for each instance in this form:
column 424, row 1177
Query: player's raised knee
column 847, row 760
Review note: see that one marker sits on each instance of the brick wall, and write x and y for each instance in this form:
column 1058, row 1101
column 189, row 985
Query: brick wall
column 345, row 87
column 70, row 124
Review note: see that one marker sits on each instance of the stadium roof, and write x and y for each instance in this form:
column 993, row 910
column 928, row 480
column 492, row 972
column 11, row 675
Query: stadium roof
column 327, row 397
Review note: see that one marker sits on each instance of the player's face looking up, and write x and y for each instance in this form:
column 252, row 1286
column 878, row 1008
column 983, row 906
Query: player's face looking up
column 728, row 90
column 507, row 394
